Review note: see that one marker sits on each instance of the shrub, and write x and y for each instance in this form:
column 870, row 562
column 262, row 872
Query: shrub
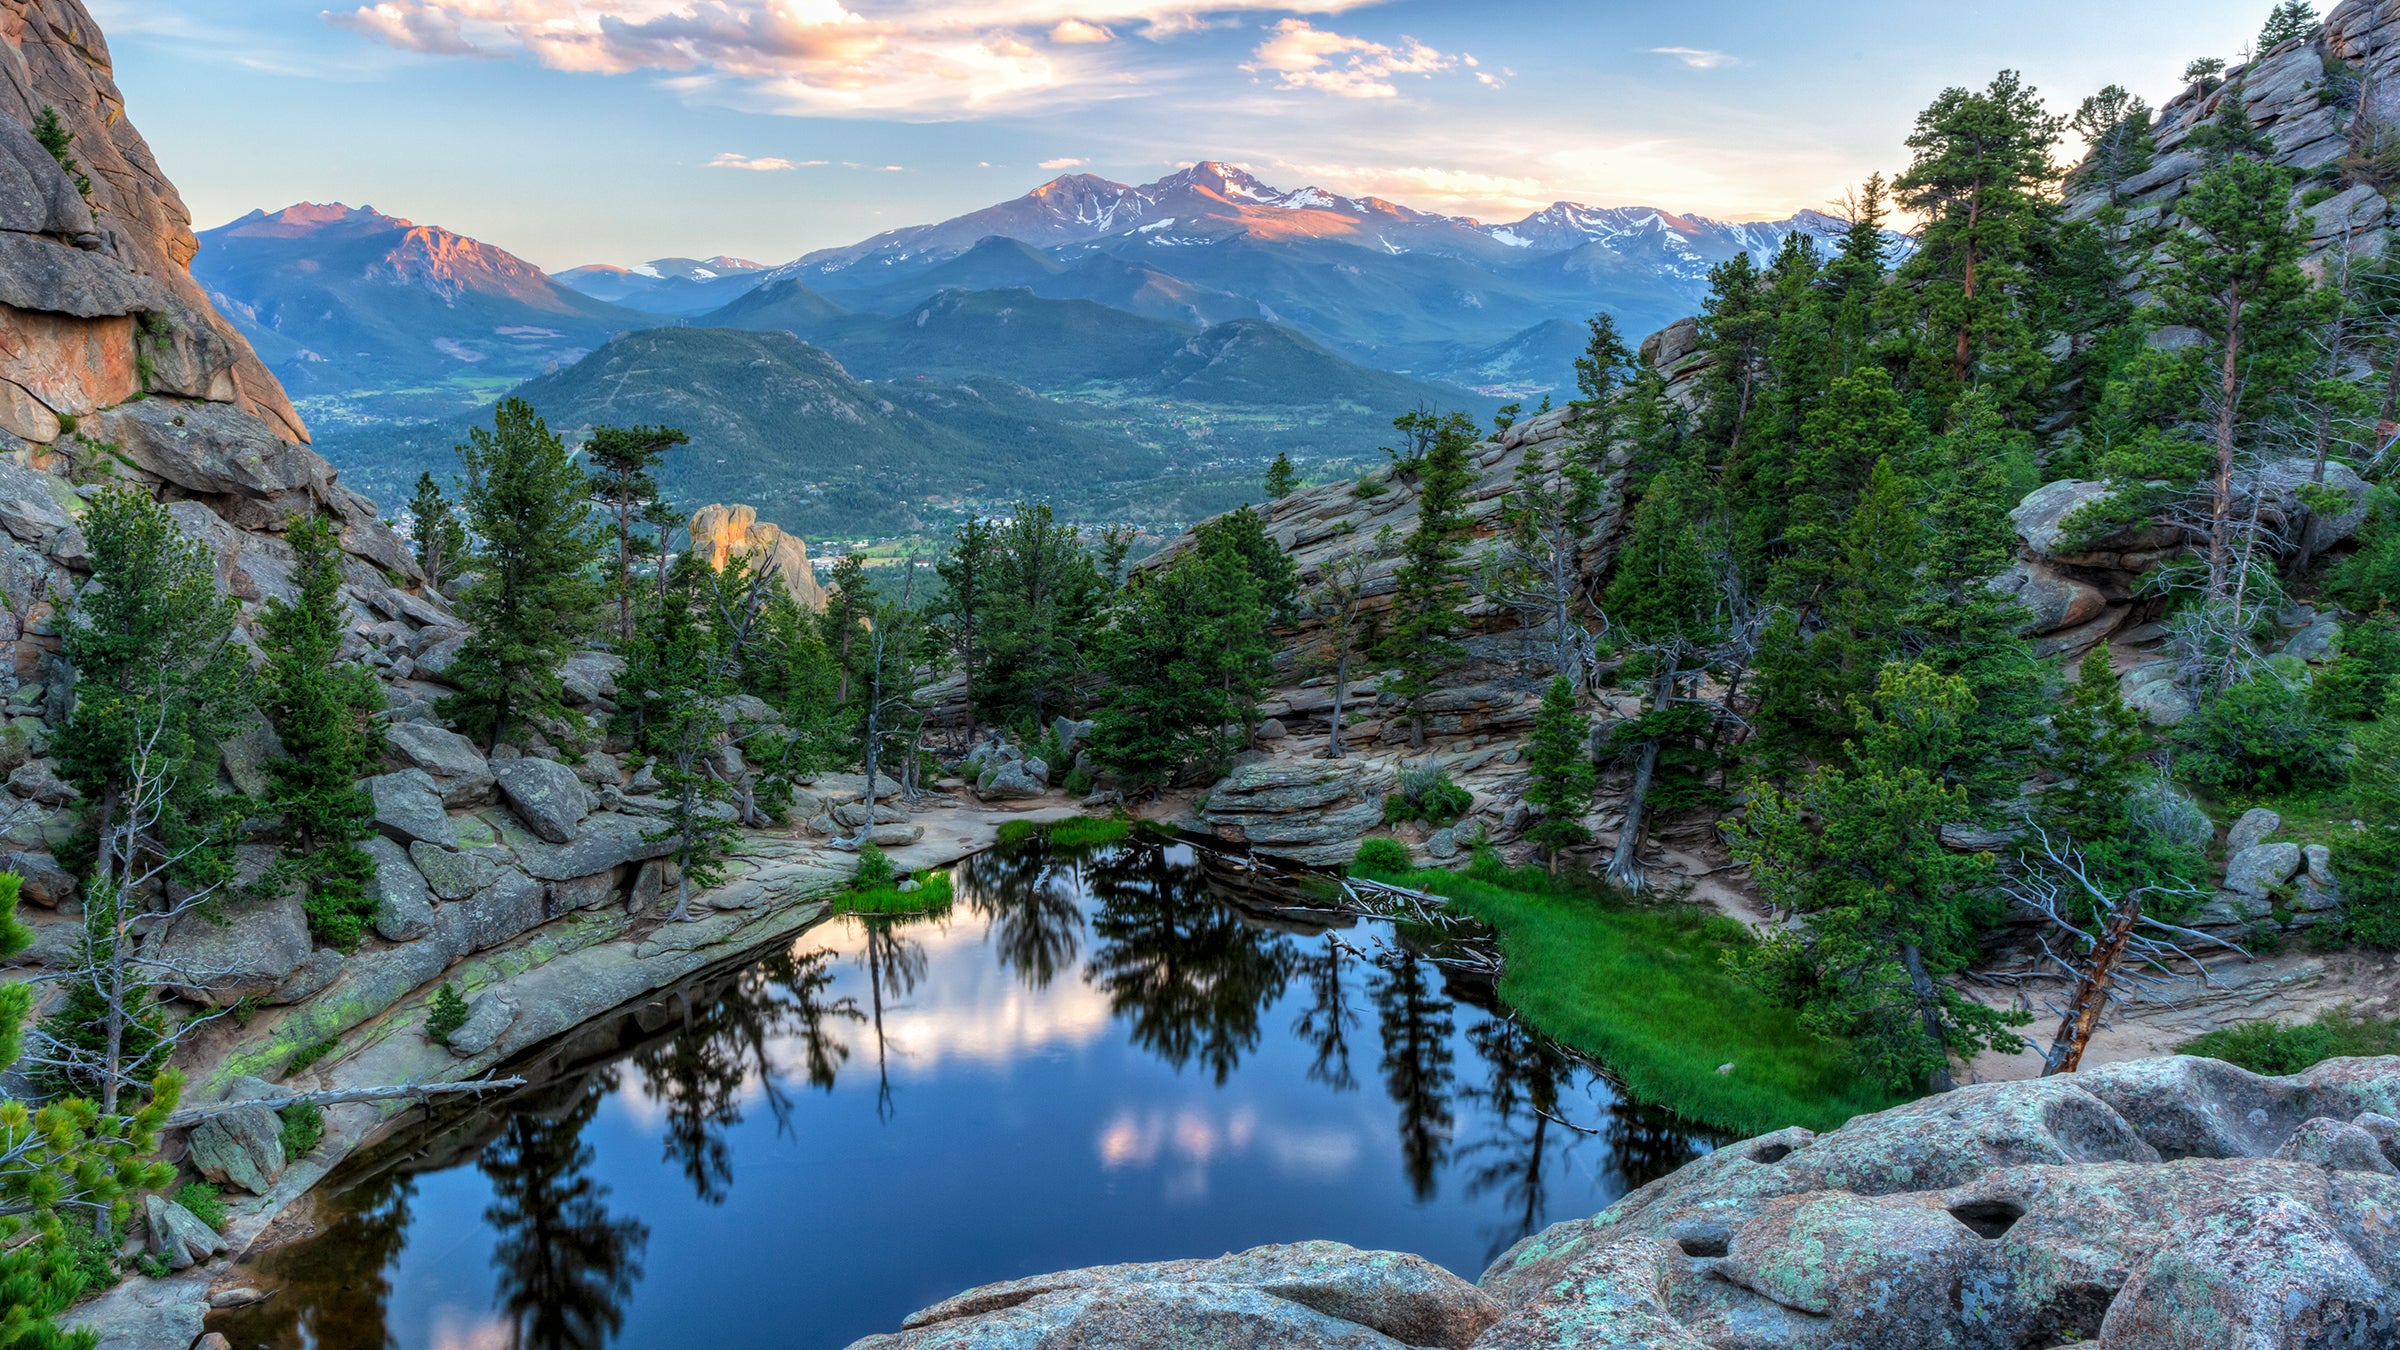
column 204, row 1201
column 449, row 1013
column 1078, row 783
column 314, row 1051
column 1426, row 794
column 874, row 869
column 1381, row 855
column 303, row 1129
column 2261, row 735
column 2355, row 686
column 2277, row 1048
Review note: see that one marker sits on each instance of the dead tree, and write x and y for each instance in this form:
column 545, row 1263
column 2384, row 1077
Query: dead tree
column 1347, row 624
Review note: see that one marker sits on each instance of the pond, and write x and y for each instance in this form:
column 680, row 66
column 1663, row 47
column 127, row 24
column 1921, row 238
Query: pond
column 1120, row 1054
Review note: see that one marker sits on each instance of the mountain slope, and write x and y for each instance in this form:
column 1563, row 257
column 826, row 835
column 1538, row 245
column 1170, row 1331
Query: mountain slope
column 781, row 425
column 673, row 286
column 363, row 314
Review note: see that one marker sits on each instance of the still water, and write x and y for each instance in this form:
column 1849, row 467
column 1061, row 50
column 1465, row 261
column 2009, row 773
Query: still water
column 1123, row 1054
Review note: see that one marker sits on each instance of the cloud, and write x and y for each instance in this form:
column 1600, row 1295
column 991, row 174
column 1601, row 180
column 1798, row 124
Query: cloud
column 1698, row 58
column 1425, row 185
column 1064, row 163
column 1303, row 56
column 922, row 60
column 763, row 164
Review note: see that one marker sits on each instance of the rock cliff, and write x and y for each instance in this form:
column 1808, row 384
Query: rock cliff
column 2154, row 1205
column 723, row 532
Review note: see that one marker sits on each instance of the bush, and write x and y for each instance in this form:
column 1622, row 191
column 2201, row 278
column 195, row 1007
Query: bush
column 205, row 1202
column 1381, row 855
column 449, row 1014
column 2355, row 686
column 2260, row 735
column 1427, row 795
column 303, row 1129
column 1078, row 783
column 2275, row 1048
column 874, row 869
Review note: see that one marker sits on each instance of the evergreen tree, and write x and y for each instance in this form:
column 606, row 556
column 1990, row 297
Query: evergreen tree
column 624, row 487
column 1245, row 535
column 1862, row 422
column 677, row 673
column 1046, row 597
column 1420, row 637
column 55, row 138
column 1282, row 479
column 1888, row 912
column 1736, row 326
column 1860, row 263
column 1547, row 518
column 1185, row 658
column 2116, row 128
column 2290, row 19
column 847, row 618
column 2368, row 859
column 438, row 538
column 150, row 640
column 1980, row 180
column 2230, row 133
column 535, row 594
column 320, row 706
column 966, row 575
column 1558, row 759
column 2235, row 276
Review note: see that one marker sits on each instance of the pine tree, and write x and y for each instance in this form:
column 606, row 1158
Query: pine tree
column 1185, row 657
column 1546, row 520
column 1558, row 759
column 847, row 617
column 1282, row 479
column 623, row 485
column 2289, row 19
column 966, row 575
column 1046, row 599
column 1421, row 636
column 1245, row 535
column 2115, row 126
column 55, row 138
column 1980, row 180
column 439, row 538
column 2235, row 276
column 535, row 595
column 2093, row 755
column 2368, row 859
column 320, row 706
column 156, row 680
column 1888, row 912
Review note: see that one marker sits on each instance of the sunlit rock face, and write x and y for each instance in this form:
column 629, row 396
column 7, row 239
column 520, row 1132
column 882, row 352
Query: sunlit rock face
column 722, row 533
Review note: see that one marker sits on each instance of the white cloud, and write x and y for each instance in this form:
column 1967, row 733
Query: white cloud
column 926, row 59
column 762, row 164
column 1303, row 56
column 1426, row 185
column 1064, row 163
column 1698, row 58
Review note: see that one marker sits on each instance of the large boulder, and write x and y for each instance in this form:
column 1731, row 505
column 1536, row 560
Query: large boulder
column 1305, row 1294
column 408, row 809
column 451, row 874
column 1308, row 811
column 2259, row 869
column 177, row 1236
column 2055, row 600
column 1008, row 781
column 241, row 1145
column 242, row 950
column 459, row 771
column 403, row 902
column 511, row 905
column 2177, row 1202
column 546, row 795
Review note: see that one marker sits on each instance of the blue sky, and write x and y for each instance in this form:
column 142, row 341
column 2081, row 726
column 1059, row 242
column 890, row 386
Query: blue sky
column 575, row 131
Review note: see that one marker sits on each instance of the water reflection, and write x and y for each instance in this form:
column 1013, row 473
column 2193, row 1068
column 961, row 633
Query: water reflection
column 1032, row 1106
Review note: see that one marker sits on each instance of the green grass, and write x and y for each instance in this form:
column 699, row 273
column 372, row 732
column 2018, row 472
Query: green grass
column 2278, row 1048
column 311, row 1053
column 1645, row 991
column 1075, row 831
column 205, row 1202
column 932, row 896
column 2311, row 815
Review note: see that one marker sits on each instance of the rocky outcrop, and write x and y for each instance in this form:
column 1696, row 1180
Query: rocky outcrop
column 1316, row 1294
column 728, row 532
column 2160, row 1203
column 1310, row 811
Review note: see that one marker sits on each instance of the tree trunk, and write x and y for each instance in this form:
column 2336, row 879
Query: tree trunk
column 1625, row 869
column 1929, row 1008
column 2228, row 394
column 1341, row 685
column 2092, row 990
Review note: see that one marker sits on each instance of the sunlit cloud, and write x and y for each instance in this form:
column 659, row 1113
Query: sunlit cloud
column 762, row 164
column 928, row 61
column 1698, row 58
column 1425, row 185
column 1064, row 163
column 1302, row 56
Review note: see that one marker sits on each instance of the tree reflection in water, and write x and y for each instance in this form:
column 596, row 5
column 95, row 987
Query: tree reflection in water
column 1034, row 903
column 566, row 1264
column 1325, row 1023
column 336, row 1289
column 894, row 965
column 1520, row 1097
column 730, row 1035
column 1183, row 969
column 1417, row 1054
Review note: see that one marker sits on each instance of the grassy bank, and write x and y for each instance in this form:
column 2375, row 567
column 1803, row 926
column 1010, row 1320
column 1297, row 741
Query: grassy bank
column 1073, row 832
column 2279, row 1048
column 932, row 896
column 1644, row 990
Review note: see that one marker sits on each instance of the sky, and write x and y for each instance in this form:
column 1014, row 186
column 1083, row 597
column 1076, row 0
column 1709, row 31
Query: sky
column 614, row 131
